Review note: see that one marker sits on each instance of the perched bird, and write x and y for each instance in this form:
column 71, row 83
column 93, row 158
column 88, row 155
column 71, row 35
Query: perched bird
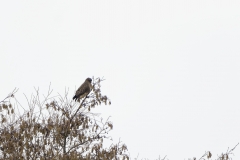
column 83, row 90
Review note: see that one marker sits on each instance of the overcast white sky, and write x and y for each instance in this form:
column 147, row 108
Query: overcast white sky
column 172, row 68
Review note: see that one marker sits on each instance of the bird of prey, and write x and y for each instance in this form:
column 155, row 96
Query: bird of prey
column 83, row 90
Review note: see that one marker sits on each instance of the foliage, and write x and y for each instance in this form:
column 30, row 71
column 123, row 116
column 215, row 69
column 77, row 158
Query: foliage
column 207, row 156
column 57, row 128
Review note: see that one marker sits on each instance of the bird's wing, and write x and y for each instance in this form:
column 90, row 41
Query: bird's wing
column 84, row 88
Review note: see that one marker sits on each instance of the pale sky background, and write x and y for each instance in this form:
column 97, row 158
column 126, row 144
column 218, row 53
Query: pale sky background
column 172, row 68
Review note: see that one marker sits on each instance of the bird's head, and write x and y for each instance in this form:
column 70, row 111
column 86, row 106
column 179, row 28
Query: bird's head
column 89, row 80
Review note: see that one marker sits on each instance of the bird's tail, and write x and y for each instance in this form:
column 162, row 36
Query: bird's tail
column 75, row 98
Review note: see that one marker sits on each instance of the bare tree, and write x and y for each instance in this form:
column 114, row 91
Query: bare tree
column 58, row 128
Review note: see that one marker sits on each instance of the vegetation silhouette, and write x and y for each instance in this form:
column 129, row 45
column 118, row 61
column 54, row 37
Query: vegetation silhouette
column 58, row 128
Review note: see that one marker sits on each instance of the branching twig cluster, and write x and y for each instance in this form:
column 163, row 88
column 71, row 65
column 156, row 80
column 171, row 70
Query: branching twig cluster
column 10, row 95
column 58, row 128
